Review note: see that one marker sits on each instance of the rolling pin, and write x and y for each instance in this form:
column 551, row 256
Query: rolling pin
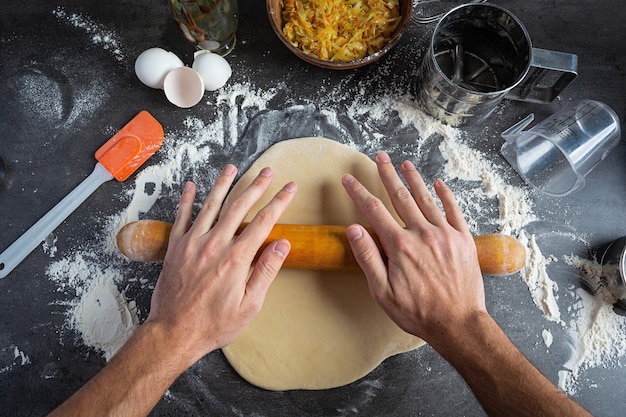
column 315, row 247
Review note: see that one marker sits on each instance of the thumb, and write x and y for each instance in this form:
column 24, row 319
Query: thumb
column 265, row 270
column 369, row 258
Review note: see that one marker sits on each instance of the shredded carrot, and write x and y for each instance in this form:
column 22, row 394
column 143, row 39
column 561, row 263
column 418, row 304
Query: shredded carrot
column 340, row 30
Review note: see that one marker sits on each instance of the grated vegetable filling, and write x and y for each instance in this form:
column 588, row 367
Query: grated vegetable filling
column 340, row 30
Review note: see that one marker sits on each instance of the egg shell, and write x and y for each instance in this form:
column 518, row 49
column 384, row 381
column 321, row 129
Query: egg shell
column 152, row 65
column 213, row 68
column 183, row 87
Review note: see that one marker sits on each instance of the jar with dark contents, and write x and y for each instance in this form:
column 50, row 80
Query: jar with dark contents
column 208, row 24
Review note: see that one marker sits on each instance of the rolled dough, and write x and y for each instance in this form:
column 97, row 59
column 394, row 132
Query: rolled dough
column 316, row 330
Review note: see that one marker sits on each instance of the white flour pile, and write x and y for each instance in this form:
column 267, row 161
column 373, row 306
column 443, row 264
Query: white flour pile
column 597, row 333
column 93, row 280
column 100, row 313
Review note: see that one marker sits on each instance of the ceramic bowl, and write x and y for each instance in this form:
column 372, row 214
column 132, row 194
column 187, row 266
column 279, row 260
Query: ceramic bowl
column 274, row 9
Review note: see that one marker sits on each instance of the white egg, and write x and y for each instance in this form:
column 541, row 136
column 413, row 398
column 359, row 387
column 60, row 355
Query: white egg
column 183, row 87
column 153, row 64
column 213, row 69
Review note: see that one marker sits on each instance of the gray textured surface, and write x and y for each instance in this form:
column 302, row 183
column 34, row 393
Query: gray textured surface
column 48, row 150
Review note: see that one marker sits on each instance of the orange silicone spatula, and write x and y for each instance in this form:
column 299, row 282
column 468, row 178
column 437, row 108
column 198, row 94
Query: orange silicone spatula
column 118, row 158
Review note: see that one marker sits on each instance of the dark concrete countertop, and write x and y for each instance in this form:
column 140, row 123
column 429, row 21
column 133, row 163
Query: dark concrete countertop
column 67, row 83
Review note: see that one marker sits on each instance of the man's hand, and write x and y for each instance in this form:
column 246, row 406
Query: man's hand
column 432, row 287
column 204, row 295
column 432, row 277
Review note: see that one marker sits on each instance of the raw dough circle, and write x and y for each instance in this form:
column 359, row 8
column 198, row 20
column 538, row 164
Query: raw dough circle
column 316, row 330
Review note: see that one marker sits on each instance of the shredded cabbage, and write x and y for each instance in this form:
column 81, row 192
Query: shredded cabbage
column 340, row 30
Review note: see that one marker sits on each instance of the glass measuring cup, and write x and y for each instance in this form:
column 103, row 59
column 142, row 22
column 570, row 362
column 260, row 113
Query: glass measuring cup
column 555, row 155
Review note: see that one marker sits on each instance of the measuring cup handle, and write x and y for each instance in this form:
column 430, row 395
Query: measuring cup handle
column 544, row 62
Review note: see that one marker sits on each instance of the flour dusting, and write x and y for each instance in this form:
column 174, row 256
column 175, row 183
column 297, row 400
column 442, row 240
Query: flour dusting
column 187, row 153
column 49, row 245
column 98, row 33
column 100, row 313
column 241, row 122
column 542, row 289
column 596, row 334
column 12, row 357
column 104, row 317
column 547, row 337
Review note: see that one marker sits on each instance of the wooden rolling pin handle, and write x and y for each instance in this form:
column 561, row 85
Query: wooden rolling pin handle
column 315, row 247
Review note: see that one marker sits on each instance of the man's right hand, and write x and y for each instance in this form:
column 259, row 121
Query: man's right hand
column 432, row 278
column 432, row 287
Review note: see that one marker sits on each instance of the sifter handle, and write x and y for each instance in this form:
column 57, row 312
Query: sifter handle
column 543, row 65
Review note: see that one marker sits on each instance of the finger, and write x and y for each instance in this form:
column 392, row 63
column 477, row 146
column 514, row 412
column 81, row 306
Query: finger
column 422, row 195
column 213, row 203
column 257, row 231
column 369, row 258
column 401, row 198
column 183, row 220
column 371, row 206
column 234, row 215
column 263, row 274
column 454, row 215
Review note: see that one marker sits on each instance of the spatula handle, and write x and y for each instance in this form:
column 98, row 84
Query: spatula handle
column 25, row 244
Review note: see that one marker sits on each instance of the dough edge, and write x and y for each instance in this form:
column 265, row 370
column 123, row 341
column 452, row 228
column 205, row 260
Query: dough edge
column 270, row 367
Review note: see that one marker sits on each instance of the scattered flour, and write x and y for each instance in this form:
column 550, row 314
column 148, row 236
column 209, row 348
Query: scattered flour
column 547, row 337
column 104, row 317
column 12, row 357
column 48, row 100
column 596, row 329
column 236, row 98
column 514, row 203
column 596, row 334
column 99, row 34
column 91, row 277
column 100, row 313
column 49, row 245
column 542, row 288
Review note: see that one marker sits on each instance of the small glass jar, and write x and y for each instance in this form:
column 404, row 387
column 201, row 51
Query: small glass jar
column 208, row 24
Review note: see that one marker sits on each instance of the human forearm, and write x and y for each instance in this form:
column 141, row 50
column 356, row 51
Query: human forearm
column 431, row 286
column 135, row 379
column 502, row 379
column 204, row 297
